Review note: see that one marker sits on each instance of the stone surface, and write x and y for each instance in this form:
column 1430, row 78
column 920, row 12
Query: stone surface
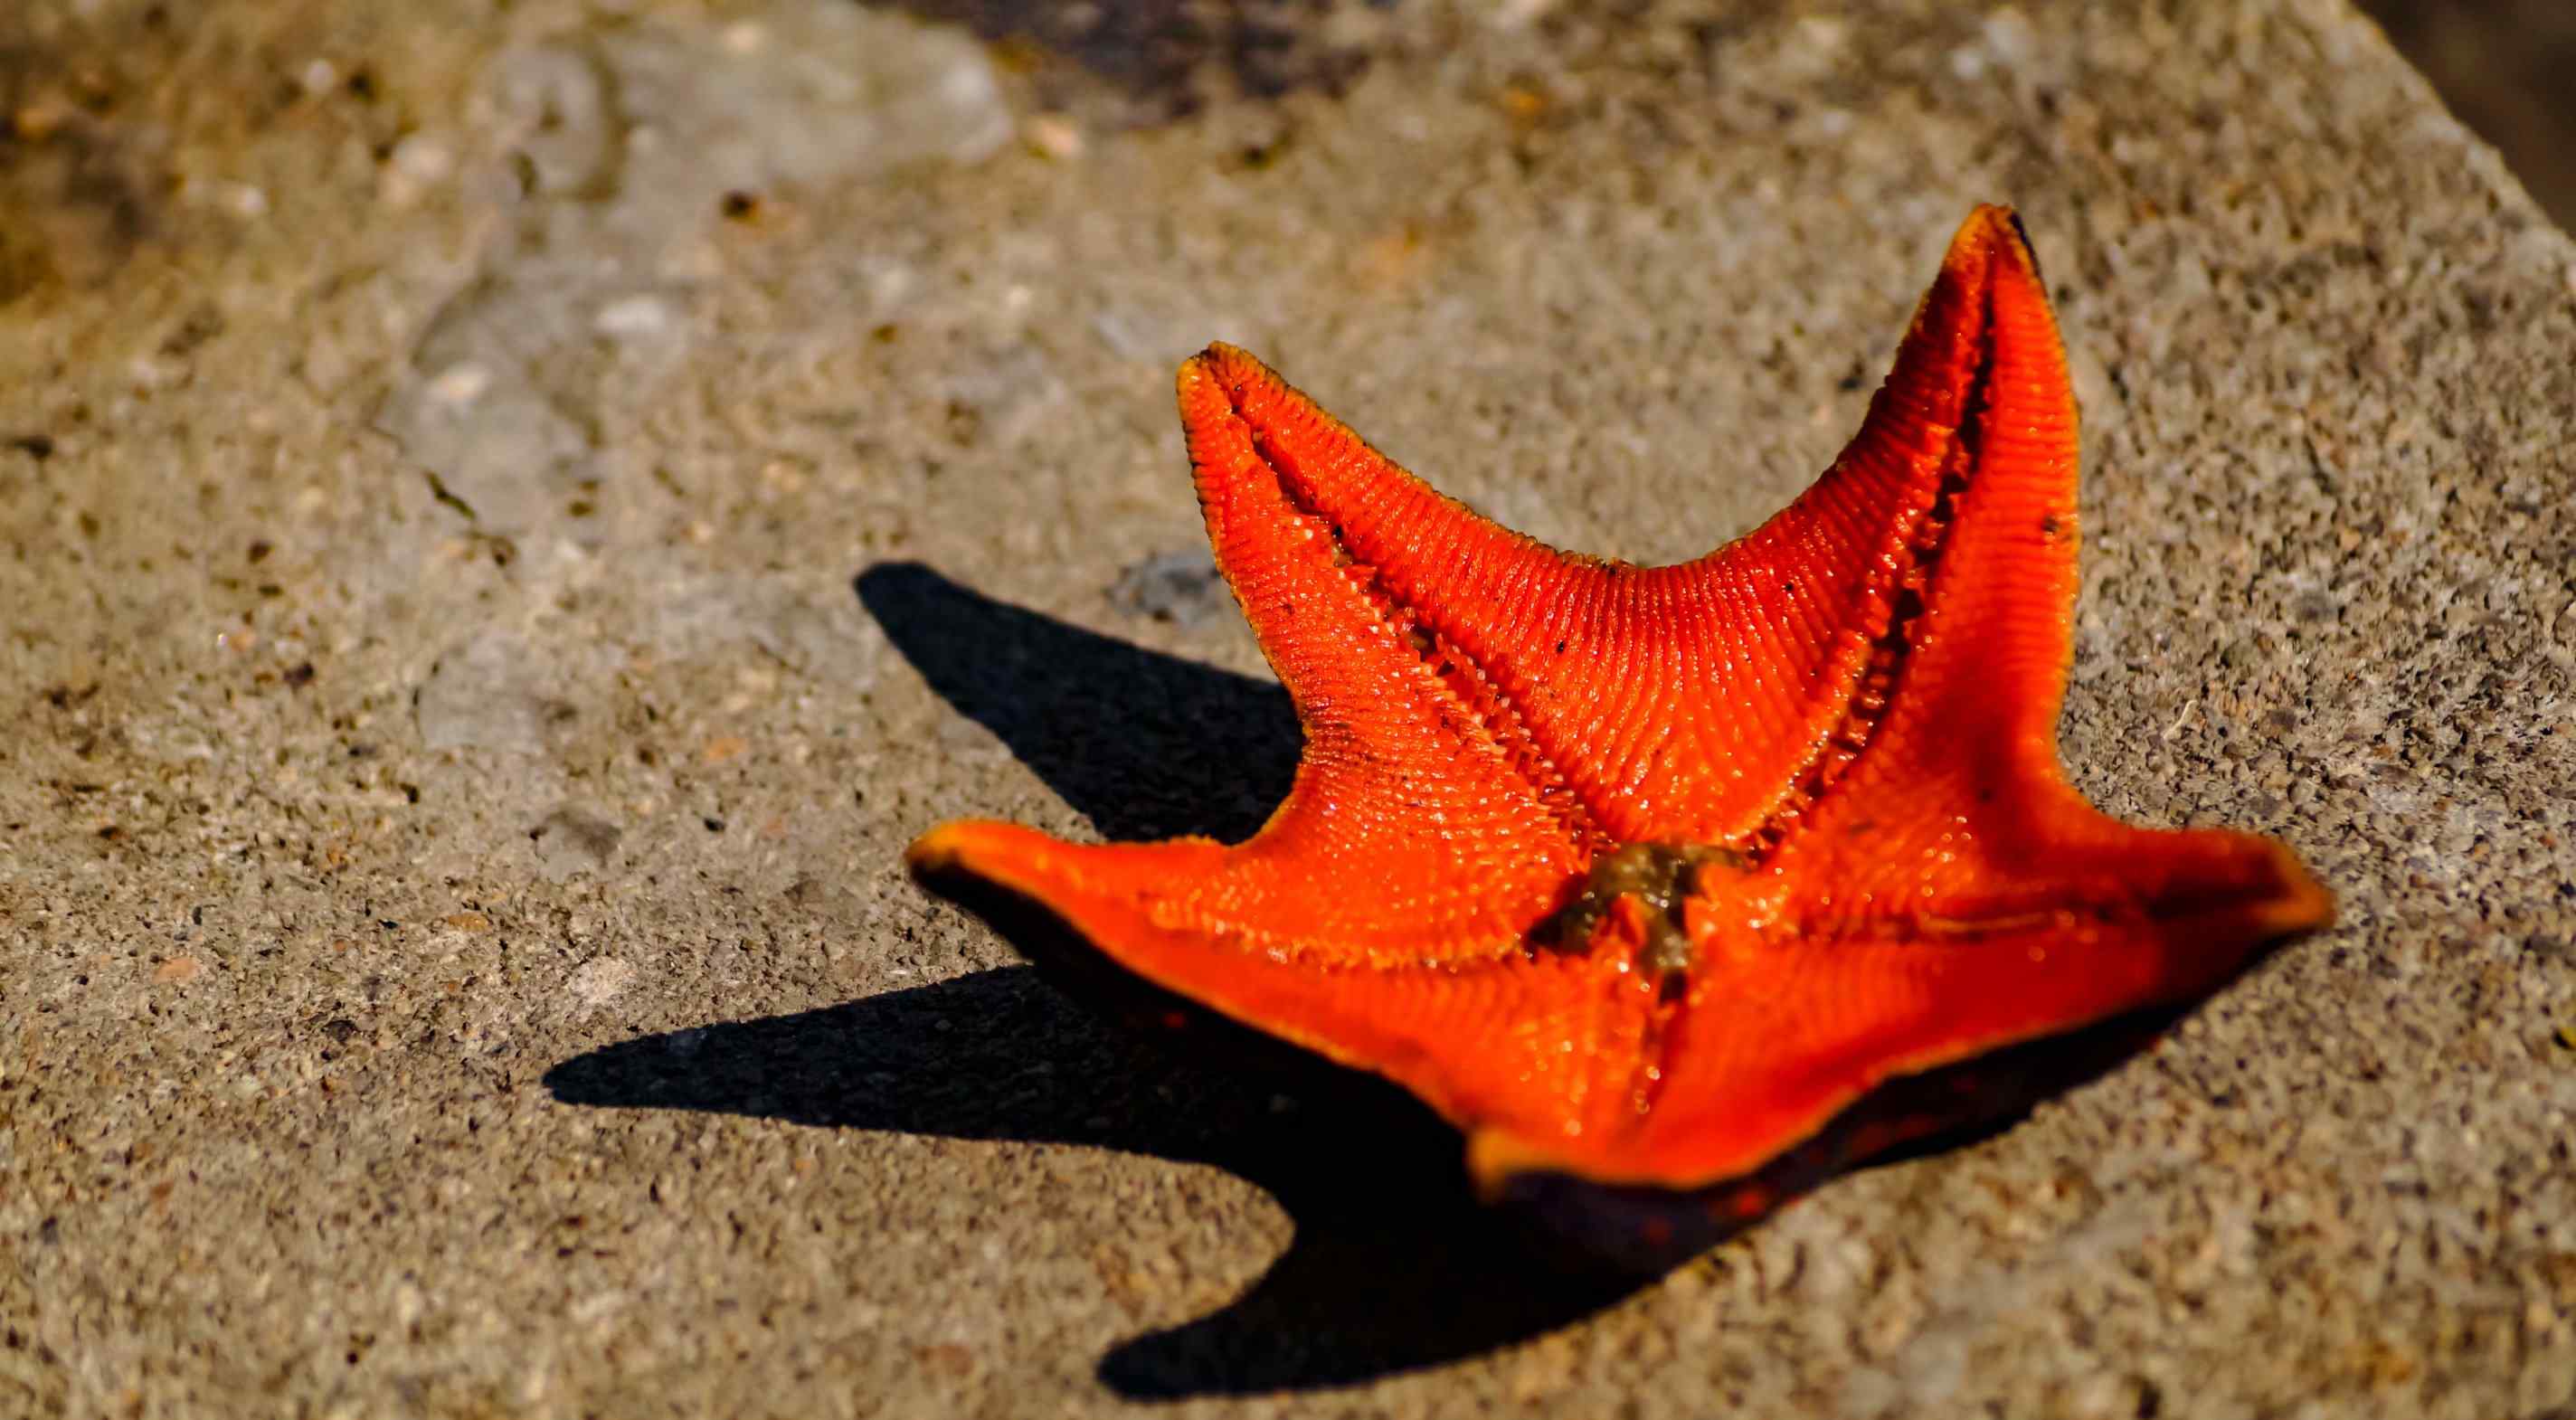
column 514, row 516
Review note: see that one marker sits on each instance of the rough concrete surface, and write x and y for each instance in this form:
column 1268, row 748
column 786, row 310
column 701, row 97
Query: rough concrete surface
column 515, row 514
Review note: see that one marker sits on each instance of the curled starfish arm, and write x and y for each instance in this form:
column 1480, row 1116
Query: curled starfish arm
column 1534, row 1042
column 1418, row 797
column 1676, row 702
column 1944, row 800
column 1802, row 1003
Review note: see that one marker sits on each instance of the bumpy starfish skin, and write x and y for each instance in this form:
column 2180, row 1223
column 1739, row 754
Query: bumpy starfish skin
column 1643, row 874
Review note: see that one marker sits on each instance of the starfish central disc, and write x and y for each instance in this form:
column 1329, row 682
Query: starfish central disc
column 1660, row 879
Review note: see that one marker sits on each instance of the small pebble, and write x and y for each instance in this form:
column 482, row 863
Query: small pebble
column 597, row 981
column 1054, row 136
column 633, row 316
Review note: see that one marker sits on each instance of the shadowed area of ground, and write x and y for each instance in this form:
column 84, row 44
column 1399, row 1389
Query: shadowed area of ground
column 1143, row 745
column 1372, row 1184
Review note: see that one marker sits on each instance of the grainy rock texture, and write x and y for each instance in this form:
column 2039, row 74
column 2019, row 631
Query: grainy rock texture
column 514, row 515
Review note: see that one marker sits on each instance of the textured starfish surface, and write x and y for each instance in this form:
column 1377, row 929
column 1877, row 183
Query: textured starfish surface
column 1642, row 875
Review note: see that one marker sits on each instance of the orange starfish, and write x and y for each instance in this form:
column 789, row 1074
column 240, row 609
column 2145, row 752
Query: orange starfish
column 1642, row 875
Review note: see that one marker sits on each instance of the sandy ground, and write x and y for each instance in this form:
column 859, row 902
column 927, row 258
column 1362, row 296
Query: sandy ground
column 513, row 516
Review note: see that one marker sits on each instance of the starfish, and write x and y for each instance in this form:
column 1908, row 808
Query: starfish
column 1642, row 875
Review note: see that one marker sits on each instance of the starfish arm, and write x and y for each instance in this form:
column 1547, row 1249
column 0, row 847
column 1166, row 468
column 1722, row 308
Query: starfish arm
column 1531, row 1043
column 1942, row 793
column 1976, row 673
column 1509, row 607
column 1778, row 1036
column 1676, row 702
column 1421, row 825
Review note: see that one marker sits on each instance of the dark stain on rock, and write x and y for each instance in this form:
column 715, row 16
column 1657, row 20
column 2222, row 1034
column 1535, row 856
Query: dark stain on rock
column 82, row 198
column 1169, row 58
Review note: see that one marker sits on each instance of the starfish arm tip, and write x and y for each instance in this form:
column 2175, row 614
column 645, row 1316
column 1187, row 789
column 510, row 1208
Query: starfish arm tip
column 942, row 849
column 1214, row 363
column 1993, row 227
column 1010, row 854
column 1500, row 1162
column 2300, row 904
column 1496, row 1156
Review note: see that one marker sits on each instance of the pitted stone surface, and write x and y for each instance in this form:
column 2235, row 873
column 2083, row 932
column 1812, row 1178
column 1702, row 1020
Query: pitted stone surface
column 453, row 958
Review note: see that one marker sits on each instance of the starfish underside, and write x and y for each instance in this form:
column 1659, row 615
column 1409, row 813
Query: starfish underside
column 1642, row 874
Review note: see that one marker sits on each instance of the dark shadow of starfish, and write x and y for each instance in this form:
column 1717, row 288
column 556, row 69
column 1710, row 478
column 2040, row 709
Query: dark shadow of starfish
column 1143, row 744
column 1394, row 1264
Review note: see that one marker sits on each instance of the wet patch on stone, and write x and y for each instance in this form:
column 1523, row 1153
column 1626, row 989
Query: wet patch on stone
column 1181, row 587
column 573, row 840
column 493, row 692
column 1167, row 59
column 628, row 150
column 84, row 195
